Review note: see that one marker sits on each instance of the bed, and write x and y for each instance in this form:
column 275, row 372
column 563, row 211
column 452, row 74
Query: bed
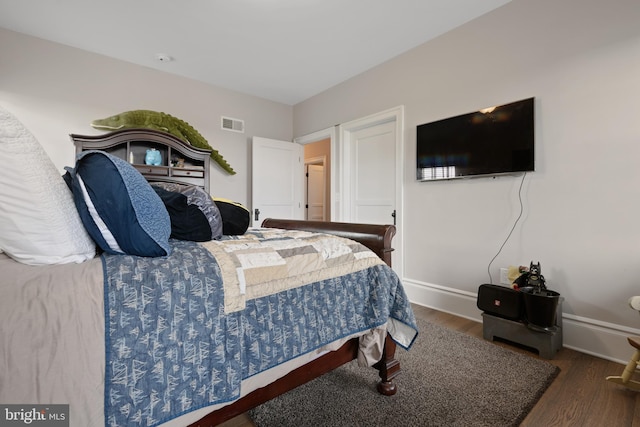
column 203, row 331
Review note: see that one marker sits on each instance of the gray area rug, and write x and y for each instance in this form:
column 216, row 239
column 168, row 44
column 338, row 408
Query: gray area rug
column 447, row 379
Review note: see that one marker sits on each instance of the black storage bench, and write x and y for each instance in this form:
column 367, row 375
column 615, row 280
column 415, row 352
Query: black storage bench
column 504, row 317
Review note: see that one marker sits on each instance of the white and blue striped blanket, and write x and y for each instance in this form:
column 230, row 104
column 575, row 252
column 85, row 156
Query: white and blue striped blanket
column 171, row 348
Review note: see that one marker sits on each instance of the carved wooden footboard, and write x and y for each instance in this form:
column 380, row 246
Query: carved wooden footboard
column 378, row 239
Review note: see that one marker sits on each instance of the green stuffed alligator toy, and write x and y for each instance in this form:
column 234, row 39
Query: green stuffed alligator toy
column 165, row 122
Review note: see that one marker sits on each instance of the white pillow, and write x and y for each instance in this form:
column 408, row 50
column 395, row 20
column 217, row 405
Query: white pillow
column 39, row 223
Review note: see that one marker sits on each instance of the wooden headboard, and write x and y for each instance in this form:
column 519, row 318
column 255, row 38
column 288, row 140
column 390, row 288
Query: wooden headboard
column 180, row 162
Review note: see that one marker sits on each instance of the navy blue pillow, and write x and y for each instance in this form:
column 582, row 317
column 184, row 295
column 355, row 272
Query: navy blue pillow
column 118, row 207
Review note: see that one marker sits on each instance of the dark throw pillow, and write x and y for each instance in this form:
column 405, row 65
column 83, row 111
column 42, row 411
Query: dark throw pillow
column 235, row 217
column 198, row 199
column 187, row 220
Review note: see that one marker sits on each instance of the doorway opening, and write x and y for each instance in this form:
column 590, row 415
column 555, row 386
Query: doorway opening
column 319, row 149
column 318, row 180
column 316, row 189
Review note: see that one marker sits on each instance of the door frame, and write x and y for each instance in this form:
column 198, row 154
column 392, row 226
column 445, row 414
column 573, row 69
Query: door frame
column 345, row 132
column 331, row 134
column 322, row 161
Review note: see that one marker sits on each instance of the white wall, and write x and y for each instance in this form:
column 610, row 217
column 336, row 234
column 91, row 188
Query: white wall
column 56, row 90
column 580, row 59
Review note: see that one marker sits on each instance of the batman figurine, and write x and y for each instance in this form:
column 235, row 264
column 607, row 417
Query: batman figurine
column 532, row 278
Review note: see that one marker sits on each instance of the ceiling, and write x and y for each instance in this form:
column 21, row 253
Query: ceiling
column 282, row 50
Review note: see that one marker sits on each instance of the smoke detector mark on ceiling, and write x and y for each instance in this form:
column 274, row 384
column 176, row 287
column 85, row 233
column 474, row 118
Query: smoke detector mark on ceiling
column 163, row 57
column 234, row 125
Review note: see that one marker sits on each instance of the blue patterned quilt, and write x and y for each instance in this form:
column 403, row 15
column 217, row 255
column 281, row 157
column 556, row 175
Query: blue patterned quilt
column 171, row 349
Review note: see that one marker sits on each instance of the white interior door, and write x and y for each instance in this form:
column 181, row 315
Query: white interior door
column 371, row 173
column 276, row 183
column 316, row 191
column 373, row 184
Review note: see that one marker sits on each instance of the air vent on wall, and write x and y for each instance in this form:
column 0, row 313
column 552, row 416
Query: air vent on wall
column 233, row 125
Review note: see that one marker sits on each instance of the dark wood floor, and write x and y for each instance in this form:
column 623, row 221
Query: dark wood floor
column 579, row 396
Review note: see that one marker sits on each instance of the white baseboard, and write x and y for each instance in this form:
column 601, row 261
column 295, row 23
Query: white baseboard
column 601, row 339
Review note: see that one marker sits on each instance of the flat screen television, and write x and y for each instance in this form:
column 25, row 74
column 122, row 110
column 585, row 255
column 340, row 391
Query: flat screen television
column 493, row 141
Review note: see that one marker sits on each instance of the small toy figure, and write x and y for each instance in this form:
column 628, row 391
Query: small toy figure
column 532, row 278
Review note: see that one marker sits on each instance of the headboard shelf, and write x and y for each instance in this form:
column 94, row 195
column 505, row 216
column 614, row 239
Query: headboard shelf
column 179, row 162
